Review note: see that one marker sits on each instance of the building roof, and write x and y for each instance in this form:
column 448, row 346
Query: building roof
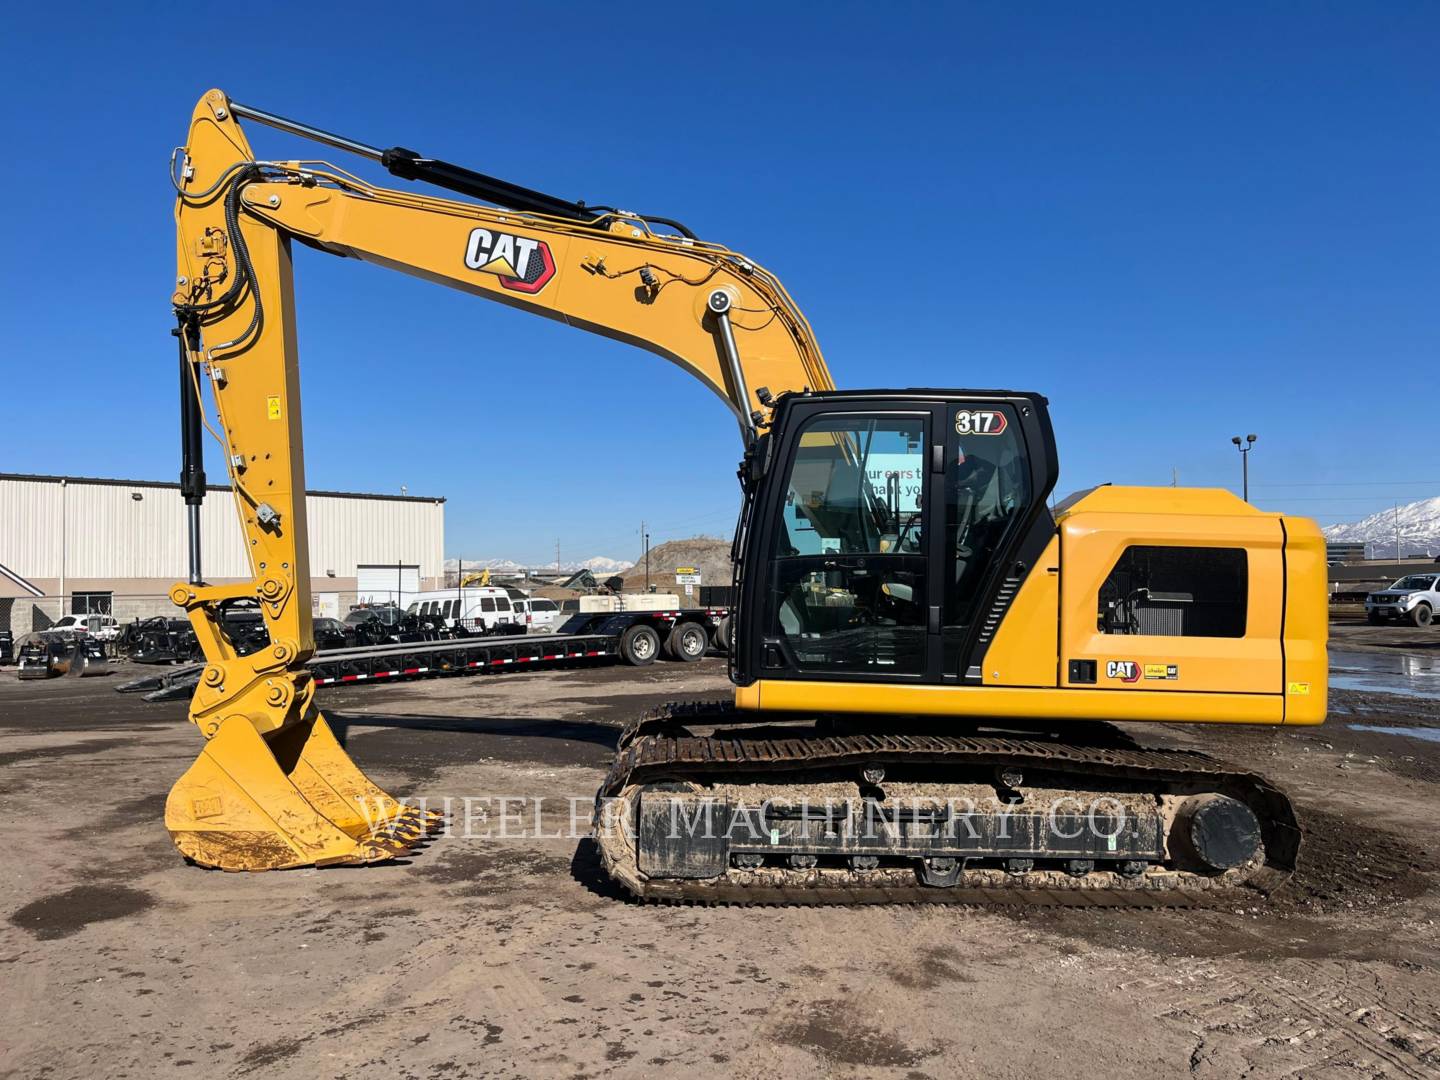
column 9, row 576
column 174, row 486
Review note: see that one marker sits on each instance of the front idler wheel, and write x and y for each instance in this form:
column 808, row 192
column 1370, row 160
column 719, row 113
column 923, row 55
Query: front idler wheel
column 1214, row 833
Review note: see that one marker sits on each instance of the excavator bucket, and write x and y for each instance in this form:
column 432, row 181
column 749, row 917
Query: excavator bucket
column 87, row 658
column 290, row 799
column 43, row 655
column 35, row 661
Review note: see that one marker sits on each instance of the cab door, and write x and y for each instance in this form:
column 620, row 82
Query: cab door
column 848, row 591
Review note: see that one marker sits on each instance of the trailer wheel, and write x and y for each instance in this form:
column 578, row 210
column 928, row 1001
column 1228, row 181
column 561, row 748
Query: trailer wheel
column 639, row 645
column 724, row 636
column 1421, row 615
column 688, row 642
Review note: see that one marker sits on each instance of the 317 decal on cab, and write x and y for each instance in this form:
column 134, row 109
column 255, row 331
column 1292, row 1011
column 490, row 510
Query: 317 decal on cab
column 979, row 422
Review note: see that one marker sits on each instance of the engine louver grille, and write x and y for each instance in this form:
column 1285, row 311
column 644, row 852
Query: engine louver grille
column 1008, row 588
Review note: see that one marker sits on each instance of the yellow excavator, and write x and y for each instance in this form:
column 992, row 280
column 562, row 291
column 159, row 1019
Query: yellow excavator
column 927, row 655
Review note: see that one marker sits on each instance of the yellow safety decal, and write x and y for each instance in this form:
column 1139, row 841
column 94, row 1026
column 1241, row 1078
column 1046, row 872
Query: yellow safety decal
column 272, row 408
column 1300, row 688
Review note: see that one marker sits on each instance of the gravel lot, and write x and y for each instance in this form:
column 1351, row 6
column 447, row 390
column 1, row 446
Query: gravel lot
column 500, row 957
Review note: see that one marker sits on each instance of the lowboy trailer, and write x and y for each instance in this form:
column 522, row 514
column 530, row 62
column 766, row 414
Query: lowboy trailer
column 636, row 637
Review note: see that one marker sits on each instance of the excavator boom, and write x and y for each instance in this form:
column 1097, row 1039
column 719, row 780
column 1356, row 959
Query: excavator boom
column 273, row 788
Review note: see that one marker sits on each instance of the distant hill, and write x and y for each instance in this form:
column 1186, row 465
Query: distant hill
column 1418, row 524
column 709, row 554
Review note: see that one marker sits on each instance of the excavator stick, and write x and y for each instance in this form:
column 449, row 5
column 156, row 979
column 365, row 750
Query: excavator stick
column 294, row 798
column 273, row 788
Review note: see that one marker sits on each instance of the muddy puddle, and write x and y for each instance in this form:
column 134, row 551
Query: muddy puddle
column 1412, row 676
column 1429, row 734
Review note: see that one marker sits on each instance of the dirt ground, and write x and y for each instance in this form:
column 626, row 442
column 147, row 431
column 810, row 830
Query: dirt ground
column 503, row 957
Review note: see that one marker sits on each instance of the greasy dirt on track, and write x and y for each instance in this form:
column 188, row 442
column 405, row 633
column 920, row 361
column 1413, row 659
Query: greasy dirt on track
column 486, row 955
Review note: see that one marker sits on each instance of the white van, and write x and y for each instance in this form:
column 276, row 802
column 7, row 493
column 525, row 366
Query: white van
column 479, row 608
column 538, row 613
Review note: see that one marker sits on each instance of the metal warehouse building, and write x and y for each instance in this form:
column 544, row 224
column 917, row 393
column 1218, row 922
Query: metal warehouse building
column 76, row 544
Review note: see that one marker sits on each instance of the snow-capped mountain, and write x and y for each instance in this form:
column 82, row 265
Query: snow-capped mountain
column 1418, row 524
column 599, row 564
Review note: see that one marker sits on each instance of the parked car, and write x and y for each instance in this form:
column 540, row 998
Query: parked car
column 103, row 627
column 1415, row 597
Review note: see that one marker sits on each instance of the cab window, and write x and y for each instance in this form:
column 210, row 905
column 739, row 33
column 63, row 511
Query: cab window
column 987, row 493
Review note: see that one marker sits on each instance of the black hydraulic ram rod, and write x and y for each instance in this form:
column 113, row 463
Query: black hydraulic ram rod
column 192, row 448
column 409, row 165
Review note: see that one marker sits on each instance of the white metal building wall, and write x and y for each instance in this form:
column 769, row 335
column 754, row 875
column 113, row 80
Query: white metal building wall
column 105, row 532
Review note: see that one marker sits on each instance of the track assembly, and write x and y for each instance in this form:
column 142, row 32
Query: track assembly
column 817, row 814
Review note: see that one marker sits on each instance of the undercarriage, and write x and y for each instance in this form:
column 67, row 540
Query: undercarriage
column 701, row 805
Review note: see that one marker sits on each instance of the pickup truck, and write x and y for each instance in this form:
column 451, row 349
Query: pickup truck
column 1414, row 598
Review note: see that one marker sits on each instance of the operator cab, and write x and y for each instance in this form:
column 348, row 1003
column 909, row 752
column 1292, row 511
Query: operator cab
column 889, row 530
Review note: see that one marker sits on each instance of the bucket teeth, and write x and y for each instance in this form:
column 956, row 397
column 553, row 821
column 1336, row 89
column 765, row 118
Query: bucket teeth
column 291, row 799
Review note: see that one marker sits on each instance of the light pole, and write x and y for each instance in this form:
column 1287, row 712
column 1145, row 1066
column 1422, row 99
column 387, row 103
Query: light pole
column 1244, row 448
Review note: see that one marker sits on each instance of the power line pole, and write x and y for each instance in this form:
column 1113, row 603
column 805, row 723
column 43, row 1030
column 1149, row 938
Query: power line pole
column 557, row 553
column 645, row 543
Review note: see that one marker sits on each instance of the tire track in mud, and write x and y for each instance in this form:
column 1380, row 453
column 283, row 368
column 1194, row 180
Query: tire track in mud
column 1298, row 1016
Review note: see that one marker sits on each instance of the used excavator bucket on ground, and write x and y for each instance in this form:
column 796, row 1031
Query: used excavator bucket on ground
column 45, row 655
column 34, row 661
column 87, row 658
column 292, row 798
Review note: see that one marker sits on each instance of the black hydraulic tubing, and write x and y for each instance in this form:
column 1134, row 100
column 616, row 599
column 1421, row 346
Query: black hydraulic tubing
column 305, row 131
column 410, row 165
column 192, row 446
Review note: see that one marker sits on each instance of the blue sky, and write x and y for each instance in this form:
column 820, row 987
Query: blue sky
column 1178, row 222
